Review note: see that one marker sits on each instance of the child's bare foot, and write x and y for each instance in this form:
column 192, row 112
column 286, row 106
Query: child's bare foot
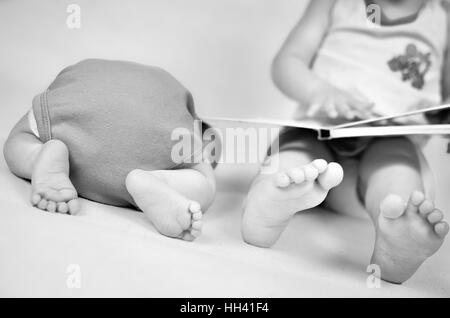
column 52, row 189
column 274, row 199
column 170, row 212
column 406, row 235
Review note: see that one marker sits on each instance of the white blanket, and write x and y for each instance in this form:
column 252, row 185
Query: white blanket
column 119, row 253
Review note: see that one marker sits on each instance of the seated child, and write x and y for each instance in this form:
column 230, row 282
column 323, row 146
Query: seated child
column 102, row 130
column 340, row 66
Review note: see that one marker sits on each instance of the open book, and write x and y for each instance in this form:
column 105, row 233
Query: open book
column 362, row 128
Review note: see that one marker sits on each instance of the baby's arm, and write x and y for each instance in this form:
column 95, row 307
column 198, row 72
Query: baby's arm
column 291, row 69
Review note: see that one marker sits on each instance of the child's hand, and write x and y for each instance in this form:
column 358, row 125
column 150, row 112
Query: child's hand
column 336, row 103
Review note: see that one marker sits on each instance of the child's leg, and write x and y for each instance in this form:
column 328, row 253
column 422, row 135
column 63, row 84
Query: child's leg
column 46, row 165
column 174, row 199
column 408, row 227
column 300, row 184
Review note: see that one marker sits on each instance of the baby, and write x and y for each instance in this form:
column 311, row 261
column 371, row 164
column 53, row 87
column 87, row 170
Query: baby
column 103, row 131
column 341, row 65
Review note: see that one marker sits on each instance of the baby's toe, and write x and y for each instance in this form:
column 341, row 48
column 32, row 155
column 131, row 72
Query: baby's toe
column 435, row 216
column 197, row 216
column 196, row 233
column 187, row 236
column 35, row 198
column 311, row 172
column 392, row 207
column 417, row 198
column 426, row 207
column 297, row 175
column 441, row 229
column 51, row 206
column 62, row 207
column 42, row 204
column 320, row 164
column 332, row 176
column 195, row 207
column 74, row 206
column 197, row 225
column 282, row 180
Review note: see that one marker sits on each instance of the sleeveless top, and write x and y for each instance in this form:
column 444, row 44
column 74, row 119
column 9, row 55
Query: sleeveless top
column 397, row 67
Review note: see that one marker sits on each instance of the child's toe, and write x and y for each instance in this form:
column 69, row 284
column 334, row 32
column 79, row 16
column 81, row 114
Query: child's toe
column 74, row 206
column 282, row 180
column 196, row 233
column 297, row 175
column 311, row 172
column 426, row 207
column 417, row 198
column 392, row 207
column 42, row 204
column 62, row 207
column 195, row 207
column 197, row 225
column 441, row 229
column 35, row 198
column 187, row 236
column 332, row 176
column 435, row 216
column 320, row 164
column 197, row 216
column 51, row 206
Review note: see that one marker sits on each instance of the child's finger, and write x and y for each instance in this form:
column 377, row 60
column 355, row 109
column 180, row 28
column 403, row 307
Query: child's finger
column 345, row 111
column 313, row 109
column 331, row 110
column 363, row 109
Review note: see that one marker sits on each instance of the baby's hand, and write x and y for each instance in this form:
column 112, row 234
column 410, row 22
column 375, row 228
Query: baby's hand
column 336, row 103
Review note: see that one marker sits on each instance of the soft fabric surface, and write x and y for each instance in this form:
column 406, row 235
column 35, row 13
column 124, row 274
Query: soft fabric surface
column 121, row 254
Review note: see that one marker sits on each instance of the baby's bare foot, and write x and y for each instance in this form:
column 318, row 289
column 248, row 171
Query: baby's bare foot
column 274, row 199
column 52, row 189
column 406, row 235
column 171, row 213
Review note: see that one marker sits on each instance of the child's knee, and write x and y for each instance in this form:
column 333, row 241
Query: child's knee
column 393, row 149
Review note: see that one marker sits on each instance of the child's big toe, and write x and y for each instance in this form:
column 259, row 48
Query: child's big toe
column 441, row 229
column 197, row 225
column 187, row 236
column 392, row 207
column 332, row 176
column 196, row 233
